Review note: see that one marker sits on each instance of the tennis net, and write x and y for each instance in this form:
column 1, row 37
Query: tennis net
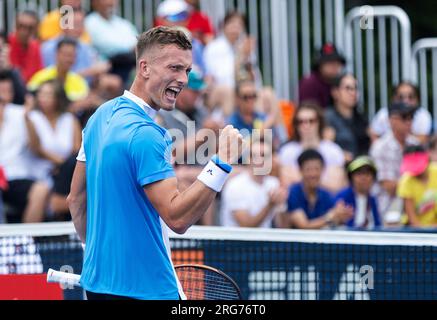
column 265, row 263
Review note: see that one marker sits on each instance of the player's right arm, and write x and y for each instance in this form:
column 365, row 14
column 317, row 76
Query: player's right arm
column 181, row 210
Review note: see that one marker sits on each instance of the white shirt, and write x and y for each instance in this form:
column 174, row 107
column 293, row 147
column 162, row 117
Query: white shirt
column 243, row 193
column 58, row 140
column 111, row 37
column 15, row 155
column 363, row 214
column 330, row 151
column 219, row 58
column 422, row 122
column 127, row 94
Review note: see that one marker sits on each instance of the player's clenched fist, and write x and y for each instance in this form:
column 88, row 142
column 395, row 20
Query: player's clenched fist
column 231, row 145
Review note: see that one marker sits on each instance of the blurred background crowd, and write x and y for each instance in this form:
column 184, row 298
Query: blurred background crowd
column 331, row 167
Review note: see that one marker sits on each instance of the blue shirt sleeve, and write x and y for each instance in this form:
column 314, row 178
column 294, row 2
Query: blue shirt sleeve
column 328, row 202
column 150, row 150
column 295, row 199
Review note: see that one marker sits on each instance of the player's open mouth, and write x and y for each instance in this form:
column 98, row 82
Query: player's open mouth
column 172, row 92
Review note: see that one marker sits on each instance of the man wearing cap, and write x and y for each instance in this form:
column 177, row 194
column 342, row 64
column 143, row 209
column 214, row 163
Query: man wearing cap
column 409, row 94
column 418, row 188
column 328, row 65
column 362, row 175
column 186, row 14
column 387, row 153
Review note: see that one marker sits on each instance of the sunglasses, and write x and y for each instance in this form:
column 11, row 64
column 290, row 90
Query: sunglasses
column 306, row 121
column 406, row 117
column 247, row 97
column 404, row 97
column 26, row 26
column 350, row 88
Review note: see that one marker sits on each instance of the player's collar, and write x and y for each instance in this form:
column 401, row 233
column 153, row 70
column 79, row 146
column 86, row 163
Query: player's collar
column 148, row 109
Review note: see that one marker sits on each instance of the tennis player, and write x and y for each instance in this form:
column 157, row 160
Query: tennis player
column 124, row 191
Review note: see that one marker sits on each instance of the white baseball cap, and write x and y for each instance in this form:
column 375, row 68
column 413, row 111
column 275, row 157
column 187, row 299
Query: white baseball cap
column 172, row 8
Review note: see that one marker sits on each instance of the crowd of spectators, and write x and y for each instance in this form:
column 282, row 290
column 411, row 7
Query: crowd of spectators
column 330, row 166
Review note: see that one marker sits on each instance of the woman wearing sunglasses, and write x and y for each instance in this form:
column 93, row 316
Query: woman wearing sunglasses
column 346, row 125
column 309, row 125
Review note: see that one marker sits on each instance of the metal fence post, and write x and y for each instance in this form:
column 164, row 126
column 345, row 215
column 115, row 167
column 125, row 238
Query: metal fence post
column 376, row 62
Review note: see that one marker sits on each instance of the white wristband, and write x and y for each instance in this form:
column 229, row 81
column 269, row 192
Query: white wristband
column 213, row 176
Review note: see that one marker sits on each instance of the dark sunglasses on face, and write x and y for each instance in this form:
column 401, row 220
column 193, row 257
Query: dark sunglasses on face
column 404, row 97
column 26, row 26
column 306, row 121
column 247, row 97
column 350, row 88
column 406, row 117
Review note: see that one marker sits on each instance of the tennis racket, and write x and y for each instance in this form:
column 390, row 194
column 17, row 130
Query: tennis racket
column 201, row 282
column 64, row 278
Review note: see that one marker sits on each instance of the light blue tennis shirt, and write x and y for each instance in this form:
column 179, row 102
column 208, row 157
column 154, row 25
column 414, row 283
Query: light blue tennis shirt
column 127, row 248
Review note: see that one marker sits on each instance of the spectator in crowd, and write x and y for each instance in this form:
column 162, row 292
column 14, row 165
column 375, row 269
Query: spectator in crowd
column 186, row 14
column 87, row 63
column 362, row 176
column 5, row 65
column 309, row 125
column 245, row 116
column 387, row 153
column 25, row 196
column 407, row 93
column 58, row 206
column 309, row 205
column 50, row 26
column 251, row 199
column 113, row 37
column 236, row 53
column 54, row 133
column 432, row 148
column 418, row 188
column 199, row 23
column 103, row 88
column 75, row 86
column 328, row 65
column 24, row 53
column 347, row 126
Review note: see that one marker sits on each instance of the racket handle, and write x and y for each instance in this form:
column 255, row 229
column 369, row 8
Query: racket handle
column 63, row 277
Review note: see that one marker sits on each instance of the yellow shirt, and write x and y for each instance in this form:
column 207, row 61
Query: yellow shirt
column 50, row 28
column 423, row 195
column 75, row 86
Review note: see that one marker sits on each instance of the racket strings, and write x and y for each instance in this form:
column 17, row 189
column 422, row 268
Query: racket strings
column 203, row 284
